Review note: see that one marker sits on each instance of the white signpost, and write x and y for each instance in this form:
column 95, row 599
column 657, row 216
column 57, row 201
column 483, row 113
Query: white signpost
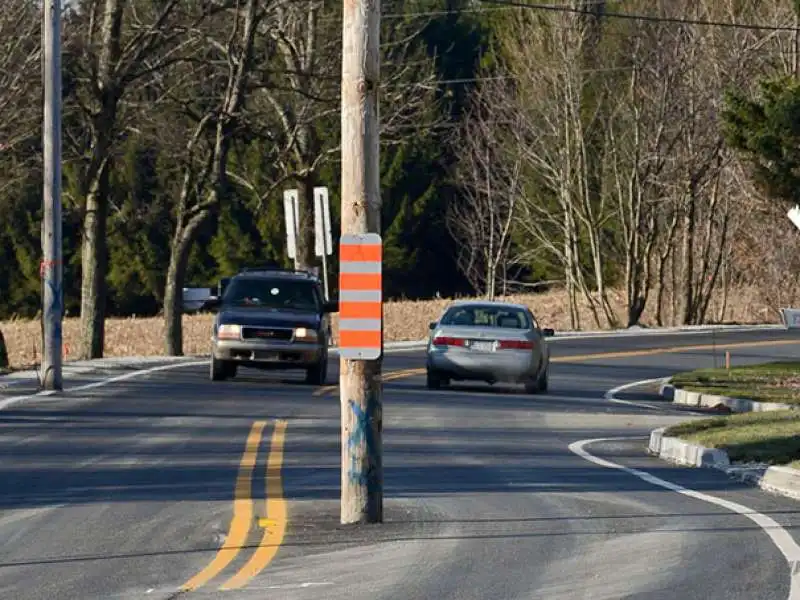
column 290, row 212
column 323, row 238
column 791, row 316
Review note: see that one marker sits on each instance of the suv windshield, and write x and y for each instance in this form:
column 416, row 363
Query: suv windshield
column 286, row 294
column 486, row 316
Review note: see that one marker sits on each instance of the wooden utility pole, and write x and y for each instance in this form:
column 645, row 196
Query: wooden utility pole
column 359, row 379
column 52, row 268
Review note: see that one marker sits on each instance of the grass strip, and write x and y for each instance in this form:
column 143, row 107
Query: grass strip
column 768, row 382
column 766, row 437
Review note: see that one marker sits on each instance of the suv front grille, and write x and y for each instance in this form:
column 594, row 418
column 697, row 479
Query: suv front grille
column 266, row 333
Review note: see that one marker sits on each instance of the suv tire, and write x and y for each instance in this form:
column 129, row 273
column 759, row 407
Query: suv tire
column 222, row 369
column 318, row 374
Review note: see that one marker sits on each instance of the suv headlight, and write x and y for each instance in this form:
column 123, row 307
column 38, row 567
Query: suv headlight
column 229, row 332
column 303, row 334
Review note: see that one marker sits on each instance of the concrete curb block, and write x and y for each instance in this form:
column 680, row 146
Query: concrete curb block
column 667, row 390
column 684, row 453
column 737, row 405
column 783, row 481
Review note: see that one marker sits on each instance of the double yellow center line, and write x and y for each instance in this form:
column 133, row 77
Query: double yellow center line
column 390, row 376
column 243, row 510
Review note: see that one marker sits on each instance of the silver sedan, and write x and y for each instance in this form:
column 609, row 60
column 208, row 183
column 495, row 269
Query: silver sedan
column 488, row 341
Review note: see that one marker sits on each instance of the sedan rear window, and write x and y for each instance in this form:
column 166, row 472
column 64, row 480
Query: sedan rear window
column 487, row 316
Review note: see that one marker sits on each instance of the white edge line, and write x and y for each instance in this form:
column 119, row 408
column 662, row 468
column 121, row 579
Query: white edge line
column 611, row 394
column 4, row 404
column 779, row 536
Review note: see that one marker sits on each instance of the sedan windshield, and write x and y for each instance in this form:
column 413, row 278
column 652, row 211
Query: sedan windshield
column 487, row 316
column 272, row 293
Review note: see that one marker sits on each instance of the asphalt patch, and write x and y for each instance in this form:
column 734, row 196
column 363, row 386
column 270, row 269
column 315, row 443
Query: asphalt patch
column 314, row 527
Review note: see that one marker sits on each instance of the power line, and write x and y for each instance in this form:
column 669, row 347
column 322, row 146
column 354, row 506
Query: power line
column 638, row 17
column 507, row 5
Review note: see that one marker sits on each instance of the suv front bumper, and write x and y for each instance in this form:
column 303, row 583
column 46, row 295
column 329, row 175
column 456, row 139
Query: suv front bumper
column 266, row 354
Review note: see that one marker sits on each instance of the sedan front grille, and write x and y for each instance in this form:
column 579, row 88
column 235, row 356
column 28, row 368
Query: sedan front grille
column 266, row 333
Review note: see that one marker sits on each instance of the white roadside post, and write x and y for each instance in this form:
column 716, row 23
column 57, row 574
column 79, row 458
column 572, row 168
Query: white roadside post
column 791, row 316
column 290, row 212
column 323, row 239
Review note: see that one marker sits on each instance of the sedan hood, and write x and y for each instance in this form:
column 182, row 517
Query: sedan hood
column 265, row 317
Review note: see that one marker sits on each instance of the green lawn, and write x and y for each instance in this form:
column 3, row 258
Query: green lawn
column 767, row 437
column 769, row 382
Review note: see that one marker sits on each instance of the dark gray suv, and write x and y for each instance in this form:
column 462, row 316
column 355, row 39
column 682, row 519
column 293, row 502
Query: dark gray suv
column 270, row 318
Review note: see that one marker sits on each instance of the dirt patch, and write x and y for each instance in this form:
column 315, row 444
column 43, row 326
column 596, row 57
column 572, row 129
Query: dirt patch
column 404, row 320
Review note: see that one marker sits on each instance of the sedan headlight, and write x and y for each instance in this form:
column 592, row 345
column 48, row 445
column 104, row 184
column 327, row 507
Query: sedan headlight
column 303, row 334
column 229, row 332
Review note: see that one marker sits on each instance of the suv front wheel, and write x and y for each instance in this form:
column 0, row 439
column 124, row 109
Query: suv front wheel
column 318, row 374
column 222, row 369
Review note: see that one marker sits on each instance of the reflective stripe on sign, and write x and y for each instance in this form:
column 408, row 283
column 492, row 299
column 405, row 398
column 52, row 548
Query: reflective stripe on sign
column 360, row 296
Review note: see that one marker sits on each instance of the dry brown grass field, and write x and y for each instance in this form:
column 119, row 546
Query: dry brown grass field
column 404, row 320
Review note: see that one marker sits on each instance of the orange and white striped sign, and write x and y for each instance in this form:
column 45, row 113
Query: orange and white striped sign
column 361, row 296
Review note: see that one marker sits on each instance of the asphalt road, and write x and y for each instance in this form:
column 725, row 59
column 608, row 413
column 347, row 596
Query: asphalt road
column 130, row 490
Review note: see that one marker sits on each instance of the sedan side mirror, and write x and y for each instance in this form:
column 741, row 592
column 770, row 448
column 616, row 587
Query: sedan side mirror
column 331, row 307
column 432, row 325
column 547, row 332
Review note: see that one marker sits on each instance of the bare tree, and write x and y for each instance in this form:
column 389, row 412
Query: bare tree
column 20, row 75
column 297, row 98
column 490, row 182
column 641, row 136
column 115, row 45
column 20, row 101
column 230, row 41
column 557, row 136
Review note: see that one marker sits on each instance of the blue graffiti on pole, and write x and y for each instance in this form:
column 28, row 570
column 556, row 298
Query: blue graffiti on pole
column 55, row 308
column 362, row 432
column 56, row 302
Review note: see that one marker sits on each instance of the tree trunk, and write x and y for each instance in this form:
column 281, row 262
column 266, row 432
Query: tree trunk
column 3, row 352
column 94, row 263
column 635, row 309
column 176, row 273
column 305, row 258
column 687, row 255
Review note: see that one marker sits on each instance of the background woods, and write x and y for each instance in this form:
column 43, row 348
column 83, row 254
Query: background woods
column 627, row 161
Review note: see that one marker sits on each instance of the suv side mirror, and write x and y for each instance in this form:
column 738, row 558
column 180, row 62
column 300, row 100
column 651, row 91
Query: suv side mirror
column 331, row 307
column 212, row 303
column 432, row 325
column 547, row 332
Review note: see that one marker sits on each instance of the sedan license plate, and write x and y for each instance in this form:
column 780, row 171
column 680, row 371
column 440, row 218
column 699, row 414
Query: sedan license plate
column 482, row 346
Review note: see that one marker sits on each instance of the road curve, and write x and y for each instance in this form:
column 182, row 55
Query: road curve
column 167, row 486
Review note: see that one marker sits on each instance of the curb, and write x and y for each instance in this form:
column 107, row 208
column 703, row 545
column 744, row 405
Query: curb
column 783, row 481
column 736, row 405
column 684, row 453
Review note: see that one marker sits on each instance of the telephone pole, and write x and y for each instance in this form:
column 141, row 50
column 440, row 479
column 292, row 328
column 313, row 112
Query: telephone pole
column 360, row 378
column 51, row 269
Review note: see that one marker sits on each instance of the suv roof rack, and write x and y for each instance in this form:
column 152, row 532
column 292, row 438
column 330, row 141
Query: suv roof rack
column 276, row 269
